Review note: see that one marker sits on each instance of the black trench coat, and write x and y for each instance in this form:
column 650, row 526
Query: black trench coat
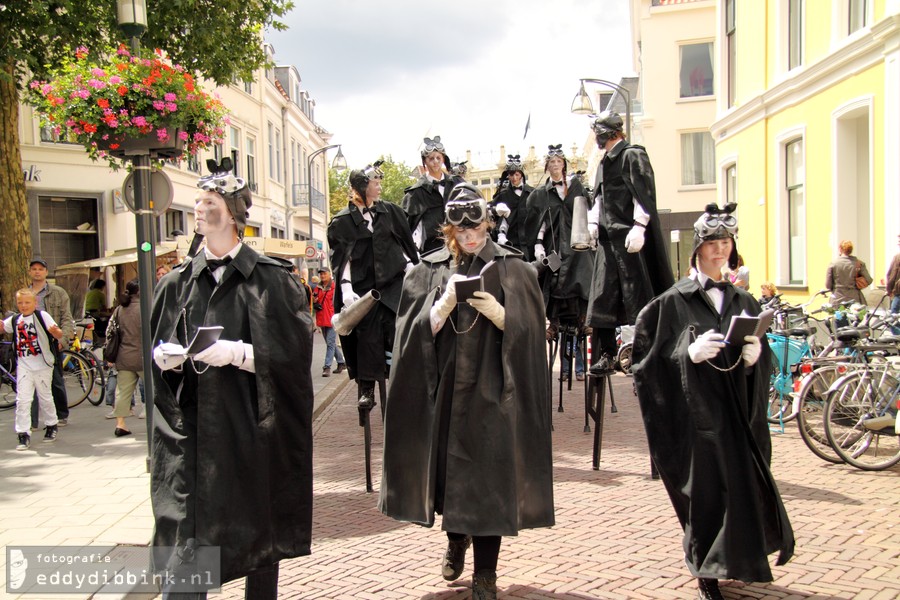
column 708, row 436
column 467, row 428
column 232, row 453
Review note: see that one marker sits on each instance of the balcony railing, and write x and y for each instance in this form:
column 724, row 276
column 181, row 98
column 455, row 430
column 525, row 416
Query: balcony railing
column 301, row 197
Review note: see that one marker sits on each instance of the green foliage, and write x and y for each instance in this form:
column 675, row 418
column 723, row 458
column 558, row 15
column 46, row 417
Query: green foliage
column 397, row 177
column 338, row 190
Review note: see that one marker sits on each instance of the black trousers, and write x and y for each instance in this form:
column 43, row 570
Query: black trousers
column 261, row 584
column 485, row 550
column 60, row 400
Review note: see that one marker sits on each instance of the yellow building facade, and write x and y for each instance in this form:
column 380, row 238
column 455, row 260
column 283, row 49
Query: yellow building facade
column 808, row 135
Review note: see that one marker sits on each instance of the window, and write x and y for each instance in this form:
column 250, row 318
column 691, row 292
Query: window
column 248, row 86
column 277, row 232
column 696, row 70
column 48, row 135
column 236, row 151
column 251, row 231
column 796, row 211
column 173, row 223
column 698, row 155
column 795, row 33
column 278, row 169
column 731, row 51
column 251, row 163
column 730, row 184
column 858, row 13
column 270, row 139
column 193, row 162
column 217, row 152
column 295, row 173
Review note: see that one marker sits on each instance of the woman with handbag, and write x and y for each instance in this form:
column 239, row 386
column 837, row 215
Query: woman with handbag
column 129, row 356
column 847, row 276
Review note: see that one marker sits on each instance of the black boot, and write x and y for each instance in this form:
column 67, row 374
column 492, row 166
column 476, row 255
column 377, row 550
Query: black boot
column 455, row 558
column 366, row 401
column 484, row 585
column 604, row 365
column 709, row 589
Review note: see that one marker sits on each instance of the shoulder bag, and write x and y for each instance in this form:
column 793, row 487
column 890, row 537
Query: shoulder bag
column 113, row 338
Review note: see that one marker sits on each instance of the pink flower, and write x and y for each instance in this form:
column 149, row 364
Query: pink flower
column 115, row 79
column 183, row 136
column 162, row 135
column 123, row 51
column 170, row 97
column 139, row 121
column 159, row 105
column 96, row 72
column 171, row 106
column 96, row 84
column 46, row 89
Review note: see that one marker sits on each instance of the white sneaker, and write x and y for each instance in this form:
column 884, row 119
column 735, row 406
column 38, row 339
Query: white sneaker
column 111, row 414
column 141, row 412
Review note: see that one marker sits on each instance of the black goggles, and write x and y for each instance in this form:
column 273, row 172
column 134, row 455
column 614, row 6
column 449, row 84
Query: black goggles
column 373, row 172
column 469, row 213
column 708, row 224
column 555, row 151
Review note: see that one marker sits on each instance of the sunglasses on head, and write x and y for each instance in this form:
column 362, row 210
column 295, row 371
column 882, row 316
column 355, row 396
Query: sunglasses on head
column 469, row 213
column 432, row 145
column 221, row 183
column 710, row 223
column 374, row 171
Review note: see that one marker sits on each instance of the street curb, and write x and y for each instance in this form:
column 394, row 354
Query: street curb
column 333, row 391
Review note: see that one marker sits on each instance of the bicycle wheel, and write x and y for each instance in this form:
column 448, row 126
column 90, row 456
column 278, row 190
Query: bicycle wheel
column 811, row 412
column 623, row 357
column 7, row 391
column 98, row 393
column 78, row 377
column 780, row 401
column 860, row 420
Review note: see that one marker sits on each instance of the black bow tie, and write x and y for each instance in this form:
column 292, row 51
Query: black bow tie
column 517, row 188
column 722, row 285
column 557, row 182
column 216, row 263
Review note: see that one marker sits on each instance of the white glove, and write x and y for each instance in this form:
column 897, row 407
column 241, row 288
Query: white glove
column 222, row 353
column 750, row 351
column 539, row 253
column 706, row 346
column 593, row 230
column 169, row 356
column 348, row 294
column 447, row 302
column 634, row 241
column 501, row 238
column 502, row 210
column 486, row 304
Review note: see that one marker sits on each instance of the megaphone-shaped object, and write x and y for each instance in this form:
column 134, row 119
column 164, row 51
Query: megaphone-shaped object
column 350, row 316
column 581, row 237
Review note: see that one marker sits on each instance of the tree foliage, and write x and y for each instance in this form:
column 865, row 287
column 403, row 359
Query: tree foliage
column 216, row 39
column 397, row 177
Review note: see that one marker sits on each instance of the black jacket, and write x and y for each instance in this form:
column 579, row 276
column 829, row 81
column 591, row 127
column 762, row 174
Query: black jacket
column 423, row 203
column 467, row 428
column 708, row 435
column 623, row 282
column 515, row 234
column 232, row 451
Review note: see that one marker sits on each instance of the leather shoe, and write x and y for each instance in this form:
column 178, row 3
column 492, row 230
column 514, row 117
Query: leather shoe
column 326, row 372
column 484, row 585
column 341, row 367
column 603, row 366
column 709, row 589
column 455, row 558
column 122, row 432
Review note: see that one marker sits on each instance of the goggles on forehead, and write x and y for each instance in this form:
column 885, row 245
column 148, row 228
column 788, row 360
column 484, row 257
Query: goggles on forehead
column 468, row 213
column 221, row 183
column 374, row 171
column 432, row 145
column 709, row 224
column 555, row 151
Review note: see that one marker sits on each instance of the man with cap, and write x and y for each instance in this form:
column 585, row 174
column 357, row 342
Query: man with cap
column 424, row 200
column 509, row 205
column 632, row 262
column 703, row 402
column 232, row 423
column 323, row 298
column 371, row 250
column 55, row 301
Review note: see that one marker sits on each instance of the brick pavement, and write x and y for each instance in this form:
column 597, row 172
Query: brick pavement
column 616, row 535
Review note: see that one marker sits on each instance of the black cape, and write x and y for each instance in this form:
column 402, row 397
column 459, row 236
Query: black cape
column 573, row 279
column 708, row 436
column 423, row 203
column 623, row 282
column 515, row 234
column 467, row 428
column 377, row 262
column 232, row 453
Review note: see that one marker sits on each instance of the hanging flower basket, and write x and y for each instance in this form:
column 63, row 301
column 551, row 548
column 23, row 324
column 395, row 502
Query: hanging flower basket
column 123, row 106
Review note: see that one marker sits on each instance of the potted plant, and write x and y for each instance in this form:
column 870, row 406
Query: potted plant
column 128, row 105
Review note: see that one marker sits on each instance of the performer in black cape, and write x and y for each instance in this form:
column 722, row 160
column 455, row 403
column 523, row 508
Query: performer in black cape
column 467, row 430
column 232, row 426
column 509, row 205
column 548, row 231
column 704, row 409
column 424, row 200
column 632, row 261
column 371, row 249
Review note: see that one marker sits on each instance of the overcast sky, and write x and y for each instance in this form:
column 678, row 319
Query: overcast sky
column 387, row 73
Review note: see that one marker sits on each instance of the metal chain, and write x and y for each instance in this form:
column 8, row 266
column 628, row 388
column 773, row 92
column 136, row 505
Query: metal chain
column 731, row 368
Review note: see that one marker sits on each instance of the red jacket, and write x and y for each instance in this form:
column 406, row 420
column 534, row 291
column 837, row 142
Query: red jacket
column 325, row 297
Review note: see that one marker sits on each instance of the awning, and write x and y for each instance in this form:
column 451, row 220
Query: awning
column 120, row 257
column 277, row 246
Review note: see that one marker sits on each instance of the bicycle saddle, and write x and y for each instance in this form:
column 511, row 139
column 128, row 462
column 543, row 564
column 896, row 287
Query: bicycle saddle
column 848, row 334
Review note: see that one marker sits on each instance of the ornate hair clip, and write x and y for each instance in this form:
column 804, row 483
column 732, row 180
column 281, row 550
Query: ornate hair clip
column 432, row 145
column 221, row 179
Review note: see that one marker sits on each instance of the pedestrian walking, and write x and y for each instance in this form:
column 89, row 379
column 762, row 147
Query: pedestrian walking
column 324, row 305
column 467, row 428
column 704, row 408
column 232, row 424
column 371, row 249
column 55, row 301
column 35, row 334
column 129, row 362
column 845, row 274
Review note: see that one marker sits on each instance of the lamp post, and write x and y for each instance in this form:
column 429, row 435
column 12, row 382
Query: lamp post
column 339, row 164
column 582, row 104
column 132, row 19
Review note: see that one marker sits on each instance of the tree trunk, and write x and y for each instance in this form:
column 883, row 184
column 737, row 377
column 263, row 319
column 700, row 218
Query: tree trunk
column 15, row 224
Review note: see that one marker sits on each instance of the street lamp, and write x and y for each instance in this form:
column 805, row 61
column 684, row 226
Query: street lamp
column 338, row 164
column 582, row 105
column 131, row 16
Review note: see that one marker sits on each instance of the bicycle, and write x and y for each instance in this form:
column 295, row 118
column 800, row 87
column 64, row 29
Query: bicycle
column 7, row 377
column 85, row 349
column 861, row 418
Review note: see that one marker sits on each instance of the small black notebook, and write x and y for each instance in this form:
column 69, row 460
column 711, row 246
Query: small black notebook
column 203, row 339
column 486, row 281
column 743, row 325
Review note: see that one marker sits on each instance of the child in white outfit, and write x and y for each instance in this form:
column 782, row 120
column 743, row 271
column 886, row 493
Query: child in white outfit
column 34, row 372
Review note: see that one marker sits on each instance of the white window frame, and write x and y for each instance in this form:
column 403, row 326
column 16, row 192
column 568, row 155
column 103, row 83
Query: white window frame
column 712, row 47
column 712, row 166
column 782, row 231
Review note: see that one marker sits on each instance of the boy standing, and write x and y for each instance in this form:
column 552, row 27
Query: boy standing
column 34, row 372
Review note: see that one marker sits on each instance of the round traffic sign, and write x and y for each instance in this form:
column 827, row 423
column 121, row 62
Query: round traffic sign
column 310, row 252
